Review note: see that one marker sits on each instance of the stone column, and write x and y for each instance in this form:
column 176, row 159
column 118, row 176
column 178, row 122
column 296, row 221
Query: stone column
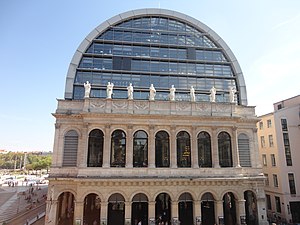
column 51, row 212
column 151, row 210
column 127, row 211
column 151, row 147
column 174, row 207
column 173, row 147
column 240, row 210
column 255, row 157
column 78, row 211
column 219, row 210
column 235, row 150
column 194, row 148
column 197, row 210
column 129, row 147
column 57, row 154
column 107, row 146
column 103, row 211
column 83, row 147
column 261, row 207
column 215, row 151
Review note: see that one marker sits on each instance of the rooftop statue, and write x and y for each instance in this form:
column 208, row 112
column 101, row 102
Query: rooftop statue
column 232, row 92
column 152, row 93
column 192, row 93
column 172, row 93
column 212, row 95
column 130, row 91
column 87, row 89
column 109, row 89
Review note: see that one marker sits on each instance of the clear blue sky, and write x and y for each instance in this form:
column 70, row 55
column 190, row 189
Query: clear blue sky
column 38, row 39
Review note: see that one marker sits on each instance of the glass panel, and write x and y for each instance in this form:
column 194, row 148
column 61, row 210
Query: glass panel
column 224, row 146
column 183, row 149
column 162, row 149
column 140, row 149
column 204, row 150
column 118, row 149
column 95, row 148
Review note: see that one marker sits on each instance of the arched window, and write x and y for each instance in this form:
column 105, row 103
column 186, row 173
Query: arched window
column 70, row 149
column 140, row 149
column 244, row 150
column 204, row 150
column 225, row 151
column 162, row 149
column 183, row 149
column 118, row 149
column 95, row 151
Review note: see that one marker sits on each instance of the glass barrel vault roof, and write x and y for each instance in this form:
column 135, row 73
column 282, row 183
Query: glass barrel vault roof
column 159, row 47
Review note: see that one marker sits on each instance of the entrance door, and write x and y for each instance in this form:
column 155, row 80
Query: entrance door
column 208, row 212
column 185, row 213
column 163, row 209
column 295, row 210
column 139, row 212
column 116, row 210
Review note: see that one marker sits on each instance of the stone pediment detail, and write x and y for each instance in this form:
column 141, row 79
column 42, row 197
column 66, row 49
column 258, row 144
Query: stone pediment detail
column 222, row 108
column 97, row 104
column 119, row 105
column 203, row 107
column 182, row 106
column 141, row 105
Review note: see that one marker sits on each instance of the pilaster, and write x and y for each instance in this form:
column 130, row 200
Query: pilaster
column 107, row 146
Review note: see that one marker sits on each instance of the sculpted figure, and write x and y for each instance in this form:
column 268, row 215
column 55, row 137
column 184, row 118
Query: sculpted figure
column 130, row 91
column 109, row 89
column 192, row 93
column 232, row 91
column 87, row 89
column 213, row 92
column 152, row 93
column 172, row 93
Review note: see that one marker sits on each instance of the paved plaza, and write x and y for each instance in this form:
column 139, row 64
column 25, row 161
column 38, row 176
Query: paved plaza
column 18, row 200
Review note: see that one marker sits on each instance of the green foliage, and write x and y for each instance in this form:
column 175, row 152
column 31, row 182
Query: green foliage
column 15, row 160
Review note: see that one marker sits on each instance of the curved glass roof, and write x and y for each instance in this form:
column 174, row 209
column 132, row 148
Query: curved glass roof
column 159, row 47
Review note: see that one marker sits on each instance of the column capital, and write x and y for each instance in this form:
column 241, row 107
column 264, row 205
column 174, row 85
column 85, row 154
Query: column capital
column 173, row 128
column 107, row 126
column 151, row 127
column 234, row 128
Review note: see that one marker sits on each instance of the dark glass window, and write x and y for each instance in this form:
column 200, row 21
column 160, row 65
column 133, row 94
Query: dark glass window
column 284, row 125
column 95, row 148
column 162, row 149
column 292, row 183
column 269, row 203
column 204, row 150
column 118, row 149
column 183, row 149
column 155, row 45
column 140, row 149
column 278, row 205
column 225, row 151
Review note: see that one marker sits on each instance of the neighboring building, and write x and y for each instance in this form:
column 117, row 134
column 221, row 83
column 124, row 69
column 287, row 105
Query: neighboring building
column 279, row 141
column 172, row 141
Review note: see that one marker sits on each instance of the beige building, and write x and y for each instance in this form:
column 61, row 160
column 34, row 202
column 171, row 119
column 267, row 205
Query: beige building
column 279, row 137
column 155, row 129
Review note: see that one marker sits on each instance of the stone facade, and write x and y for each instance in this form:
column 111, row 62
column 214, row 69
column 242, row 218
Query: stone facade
column 132, row 115
column 167, row 158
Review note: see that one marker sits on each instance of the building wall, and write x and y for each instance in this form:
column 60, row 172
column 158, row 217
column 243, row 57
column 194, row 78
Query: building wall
column 289, row 110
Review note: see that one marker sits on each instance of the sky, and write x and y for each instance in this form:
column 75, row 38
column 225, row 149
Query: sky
column 38, row 40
